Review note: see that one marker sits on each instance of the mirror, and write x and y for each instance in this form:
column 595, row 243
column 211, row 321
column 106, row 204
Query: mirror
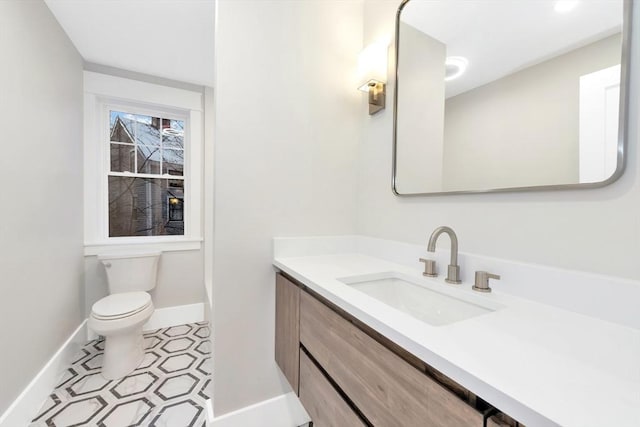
column 500, row 95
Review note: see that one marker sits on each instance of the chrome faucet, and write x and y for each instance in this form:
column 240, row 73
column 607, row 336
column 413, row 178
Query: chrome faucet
column 453, row 272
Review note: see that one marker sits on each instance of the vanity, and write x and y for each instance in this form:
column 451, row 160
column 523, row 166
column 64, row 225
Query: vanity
column 364, row 340
column 347, row 374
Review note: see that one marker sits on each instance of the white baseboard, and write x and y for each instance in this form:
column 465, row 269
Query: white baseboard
column 209, row 410
column 281, row 411
column 29, row 402
column 177, row 315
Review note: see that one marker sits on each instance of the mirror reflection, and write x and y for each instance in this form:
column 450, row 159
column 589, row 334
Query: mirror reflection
column 507, row 94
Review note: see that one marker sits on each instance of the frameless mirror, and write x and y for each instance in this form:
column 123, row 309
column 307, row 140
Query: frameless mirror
column 502, row 95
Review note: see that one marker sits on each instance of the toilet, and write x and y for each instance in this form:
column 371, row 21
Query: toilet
column 120, row 316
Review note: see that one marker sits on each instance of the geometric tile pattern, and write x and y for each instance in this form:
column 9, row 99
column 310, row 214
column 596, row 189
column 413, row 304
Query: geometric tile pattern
column 169, row 388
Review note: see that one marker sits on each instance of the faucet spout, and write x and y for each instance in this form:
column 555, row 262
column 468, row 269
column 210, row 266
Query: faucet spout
column 453, row 271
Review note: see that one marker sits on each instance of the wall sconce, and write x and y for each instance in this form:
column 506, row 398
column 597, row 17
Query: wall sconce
column 372, row 69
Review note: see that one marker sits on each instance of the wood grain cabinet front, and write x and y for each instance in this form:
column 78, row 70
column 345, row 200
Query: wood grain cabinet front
column 288, row 329
column 323, row 403
column 503, row 420
column 385, row 388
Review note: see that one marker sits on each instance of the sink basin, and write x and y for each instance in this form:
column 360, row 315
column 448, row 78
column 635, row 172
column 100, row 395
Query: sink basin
column 421, row 298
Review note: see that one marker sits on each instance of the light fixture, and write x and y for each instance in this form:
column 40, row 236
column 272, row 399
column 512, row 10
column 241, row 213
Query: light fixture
column 372, row 70
column 455, row 66
column 564, row 6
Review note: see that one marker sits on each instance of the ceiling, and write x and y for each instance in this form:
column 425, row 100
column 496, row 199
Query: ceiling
column 173, row 39
column 499, row 37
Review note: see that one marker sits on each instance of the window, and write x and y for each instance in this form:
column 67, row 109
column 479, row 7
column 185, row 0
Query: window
column 143, row 151
column 146, row 176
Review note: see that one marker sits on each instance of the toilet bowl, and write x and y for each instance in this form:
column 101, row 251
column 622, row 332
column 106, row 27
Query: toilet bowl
column 120, row 316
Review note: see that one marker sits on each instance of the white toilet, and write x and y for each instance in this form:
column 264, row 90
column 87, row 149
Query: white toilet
column 120, row 316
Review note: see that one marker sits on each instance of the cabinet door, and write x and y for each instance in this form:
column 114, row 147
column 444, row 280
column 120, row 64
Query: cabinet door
column 388, row 391
column 323, row 403
column 288, row 329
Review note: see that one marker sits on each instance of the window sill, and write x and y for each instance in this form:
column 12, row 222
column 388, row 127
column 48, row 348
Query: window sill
column 145, row 244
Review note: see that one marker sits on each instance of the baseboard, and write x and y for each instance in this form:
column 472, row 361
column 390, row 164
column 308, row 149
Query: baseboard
column 29, row 402
column 281, row 411
column 177, row 315
column 168, row 316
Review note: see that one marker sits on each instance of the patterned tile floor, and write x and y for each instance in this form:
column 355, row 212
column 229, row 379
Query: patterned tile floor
column 168, row 389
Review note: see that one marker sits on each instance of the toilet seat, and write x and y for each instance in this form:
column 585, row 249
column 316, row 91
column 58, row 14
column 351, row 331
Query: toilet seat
column 121, row 305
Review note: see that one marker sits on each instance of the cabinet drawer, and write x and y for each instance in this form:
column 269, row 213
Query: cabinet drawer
column 323, row 403
column 387, row 390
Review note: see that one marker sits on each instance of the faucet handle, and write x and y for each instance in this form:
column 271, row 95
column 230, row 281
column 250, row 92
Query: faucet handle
column 482, row 281
column 429, row 267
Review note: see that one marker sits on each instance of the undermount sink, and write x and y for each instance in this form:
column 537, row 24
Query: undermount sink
column 421, row 298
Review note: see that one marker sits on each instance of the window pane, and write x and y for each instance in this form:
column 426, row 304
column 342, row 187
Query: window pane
column 147, row 129
column 127, row 127
column 172, row 162
column 145, row 207
column 148, row 159
column 176, row 209
column 177, row 183
column 122, row 159
column 172, row 133
column 121, row 127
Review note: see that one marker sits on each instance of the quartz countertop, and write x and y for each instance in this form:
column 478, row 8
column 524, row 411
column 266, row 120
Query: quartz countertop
column 542, row 365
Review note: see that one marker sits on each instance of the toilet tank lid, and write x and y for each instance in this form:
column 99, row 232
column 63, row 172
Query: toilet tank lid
column 124, row 255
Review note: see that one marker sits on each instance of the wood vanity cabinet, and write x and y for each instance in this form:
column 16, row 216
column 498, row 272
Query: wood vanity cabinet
column 346, row 374
column 388, row 390
column 288, row 329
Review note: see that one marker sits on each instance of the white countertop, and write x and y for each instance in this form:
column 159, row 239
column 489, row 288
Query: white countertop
column 542, row 365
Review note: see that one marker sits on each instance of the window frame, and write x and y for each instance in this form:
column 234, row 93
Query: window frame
column 105, row 93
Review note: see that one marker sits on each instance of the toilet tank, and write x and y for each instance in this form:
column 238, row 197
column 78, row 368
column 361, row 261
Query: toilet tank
column 130, row 272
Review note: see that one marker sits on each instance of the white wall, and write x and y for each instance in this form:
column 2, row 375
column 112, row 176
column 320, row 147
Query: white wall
column 592, row 230
column 41, row 219
column 287, row 127
column 209, row 193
